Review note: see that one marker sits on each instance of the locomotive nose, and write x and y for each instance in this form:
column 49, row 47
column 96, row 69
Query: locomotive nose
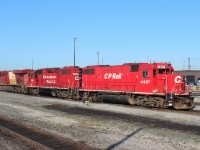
column 178, row 79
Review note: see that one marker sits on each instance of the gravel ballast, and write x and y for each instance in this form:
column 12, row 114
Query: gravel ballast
column 98, row 132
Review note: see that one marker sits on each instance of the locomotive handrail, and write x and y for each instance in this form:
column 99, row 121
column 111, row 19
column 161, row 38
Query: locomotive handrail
column 166, row 81
column 172, row 90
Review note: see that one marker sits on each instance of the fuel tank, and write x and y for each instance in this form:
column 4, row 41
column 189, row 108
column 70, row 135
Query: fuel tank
column 120, row 99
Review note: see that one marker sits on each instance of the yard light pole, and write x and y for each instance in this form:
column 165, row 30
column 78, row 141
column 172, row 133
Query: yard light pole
column 32, row 64
column 75, row 52
column 98, row 57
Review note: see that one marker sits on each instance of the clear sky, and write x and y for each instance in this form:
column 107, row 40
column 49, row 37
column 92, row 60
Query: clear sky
column 121, row 30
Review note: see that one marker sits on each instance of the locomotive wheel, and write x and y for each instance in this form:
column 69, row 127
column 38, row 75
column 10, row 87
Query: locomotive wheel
column 15, row 89
column 151, row 102
column 24, row 89
column 165, row 105
column 19, row 90
column 64, row 94
column 132, row 101
column 59, row 94
column 159, row 102
column 35, row 91
column 141, row 100
column 54, row 93
column 85, row 97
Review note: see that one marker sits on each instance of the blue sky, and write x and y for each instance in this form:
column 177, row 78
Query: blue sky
column 121, row 30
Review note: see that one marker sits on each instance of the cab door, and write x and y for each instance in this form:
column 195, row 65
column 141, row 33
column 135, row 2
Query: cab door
column 159, row 81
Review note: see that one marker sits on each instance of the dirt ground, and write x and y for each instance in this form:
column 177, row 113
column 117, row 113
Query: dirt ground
column 97, row 131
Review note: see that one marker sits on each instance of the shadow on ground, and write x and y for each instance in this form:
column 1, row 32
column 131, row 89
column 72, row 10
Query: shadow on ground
column 123, row 140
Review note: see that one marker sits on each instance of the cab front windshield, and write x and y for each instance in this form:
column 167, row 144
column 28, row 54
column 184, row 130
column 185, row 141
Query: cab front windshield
column 162, row 71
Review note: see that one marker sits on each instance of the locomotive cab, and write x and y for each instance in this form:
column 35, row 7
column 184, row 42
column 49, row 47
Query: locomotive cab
column 177, row 94
column 161, row 74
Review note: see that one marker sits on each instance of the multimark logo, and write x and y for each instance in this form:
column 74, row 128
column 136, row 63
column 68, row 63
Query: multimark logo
column 113, row 76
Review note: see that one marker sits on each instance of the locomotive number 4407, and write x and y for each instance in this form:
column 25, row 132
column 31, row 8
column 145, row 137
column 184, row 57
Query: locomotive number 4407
column 145, row 81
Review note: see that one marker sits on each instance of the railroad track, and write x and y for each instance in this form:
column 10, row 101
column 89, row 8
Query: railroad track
column 197, row 103
column 196, row 92
column 37, row 138
column 187, row 112
column 196, row 112
column 22, row 140
column 190, row 112
column 130, row 118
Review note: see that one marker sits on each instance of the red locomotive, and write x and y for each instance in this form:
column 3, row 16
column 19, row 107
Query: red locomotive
column 143, row 84
column 59, row 82
column 22, row 79
column 7, row 78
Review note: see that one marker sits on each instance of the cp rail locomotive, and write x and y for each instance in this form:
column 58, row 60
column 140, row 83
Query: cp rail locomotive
column 143, row 84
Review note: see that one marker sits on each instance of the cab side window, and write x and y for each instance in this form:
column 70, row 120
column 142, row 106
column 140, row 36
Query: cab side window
column 161, row 71
column 154, row 72
column 145, row 73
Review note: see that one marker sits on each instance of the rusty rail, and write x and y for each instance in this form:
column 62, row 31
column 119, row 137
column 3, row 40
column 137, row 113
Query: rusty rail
column 37, row 138
column 22, row 139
